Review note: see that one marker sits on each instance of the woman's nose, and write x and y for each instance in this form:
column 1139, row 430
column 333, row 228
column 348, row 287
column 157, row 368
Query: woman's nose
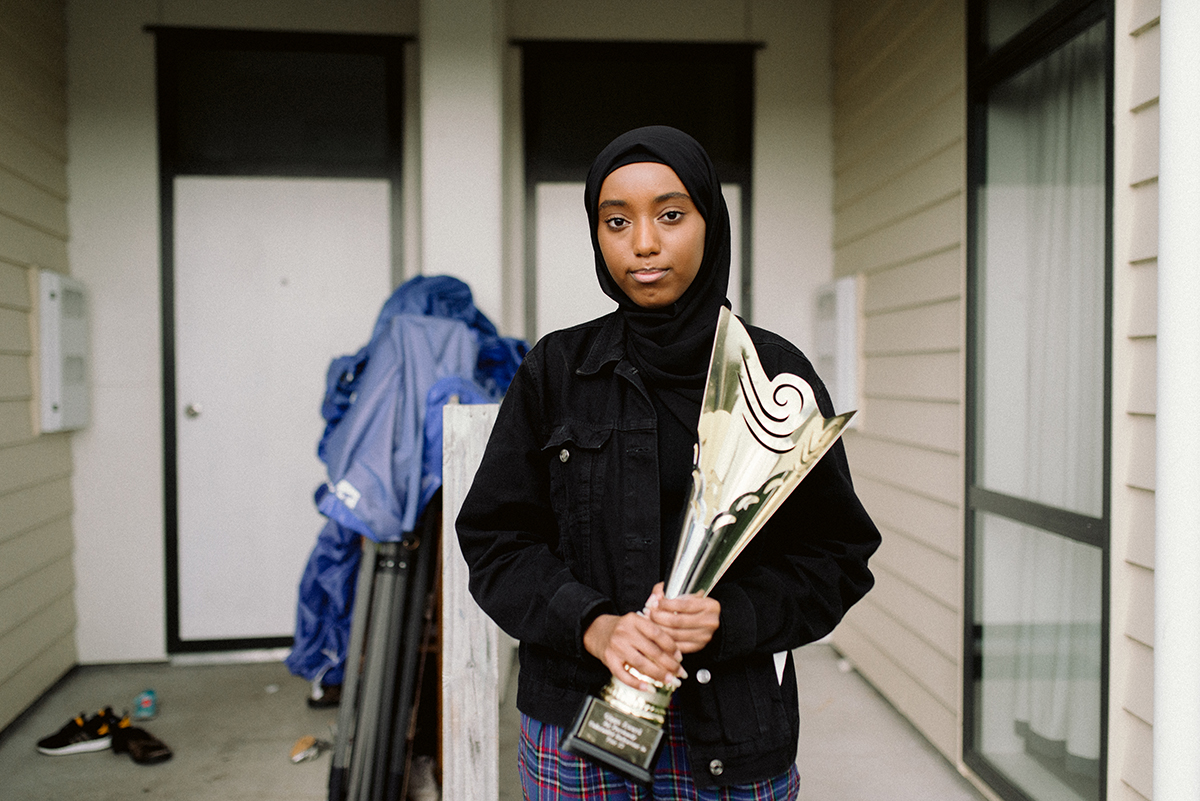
column 645, row 239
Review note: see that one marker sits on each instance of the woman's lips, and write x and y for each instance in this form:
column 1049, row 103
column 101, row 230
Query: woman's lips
column 648, row 276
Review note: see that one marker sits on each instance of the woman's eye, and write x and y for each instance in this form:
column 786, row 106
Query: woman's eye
column 616, row 223
column 673, row 216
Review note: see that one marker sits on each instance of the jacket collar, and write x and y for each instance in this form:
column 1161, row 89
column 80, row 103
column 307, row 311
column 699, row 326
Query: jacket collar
column 608, row 346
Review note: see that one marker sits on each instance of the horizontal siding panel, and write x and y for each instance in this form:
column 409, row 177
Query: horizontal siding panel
column 854, row 21
column 916, row 563
column 34, row 507
column 1146, row 50
column 1141, row 433
column 1137, row 763
column 891, row 142
column 14, row 287
column 934, row 671
column 1142, row 14
column 34, row 76
column 1143, row 378
column 15, row 381
column 879, row 40
column 1139, row 681
column 35, row 592
column 899, row 133
column 929, row 280
column 23, row 245
column 938, row 724
column 14, row 332
column 934, row 523
column 36, row 34
column 35, row 462
column 927, row 232
column 904, row 83
column 1143, row 163
column 1123, row 792
column 1143, row 307
column 16, row 423
column 919, row 376
column 1143, row 237
column 927, row 617
column 1139, row 540
column 929, row 425
column 36, row 634
column 930, row 473
column 925, row 329
column 849, row 20
column 22, row 200
column 40, row 122
column 886, row 154
column 1139, row 625
column 33, row 550
column 45, row 19
column 35, row 677
column 37, row 165
column 30, row 21
column 926, row 183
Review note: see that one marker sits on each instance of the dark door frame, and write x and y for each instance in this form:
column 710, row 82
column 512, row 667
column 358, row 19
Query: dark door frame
column 173, row 44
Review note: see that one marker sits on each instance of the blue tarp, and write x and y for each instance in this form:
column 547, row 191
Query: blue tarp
column 382, row 444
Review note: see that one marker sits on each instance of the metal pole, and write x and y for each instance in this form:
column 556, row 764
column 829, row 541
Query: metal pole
column 1177, row 490
column 348, row 706
column 393, row 656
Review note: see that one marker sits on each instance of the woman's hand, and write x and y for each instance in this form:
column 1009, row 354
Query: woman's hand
column 690, row 620
column 634, row 640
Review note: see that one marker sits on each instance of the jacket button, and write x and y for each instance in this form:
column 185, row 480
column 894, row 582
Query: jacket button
column 564, row 455
column 703, row 676
column 716, row 767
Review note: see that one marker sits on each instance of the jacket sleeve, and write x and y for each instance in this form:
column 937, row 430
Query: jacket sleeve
column 808, row 565
column 509, row 536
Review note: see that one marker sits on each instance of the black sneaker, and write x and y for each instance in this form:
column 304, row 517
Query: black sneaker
column 81, row 735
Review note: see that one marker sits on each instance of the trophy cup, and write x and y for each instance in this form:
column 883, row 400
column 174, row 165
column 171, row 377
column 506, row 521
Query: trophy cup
column 758, row 438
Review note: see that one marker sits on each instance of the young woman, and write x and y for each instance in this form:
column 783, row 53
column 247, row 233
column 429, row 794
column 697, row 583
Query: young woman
column 573, row 518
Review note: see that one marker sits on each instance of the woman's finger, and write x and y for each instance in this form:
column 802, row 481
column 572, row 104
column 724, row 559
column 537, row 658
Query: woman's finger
column 691, row 620
column 640, row 643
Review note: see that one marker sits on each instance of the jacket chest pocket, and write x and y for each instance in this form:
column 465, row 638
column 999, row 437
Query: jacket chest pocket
column 576, row 460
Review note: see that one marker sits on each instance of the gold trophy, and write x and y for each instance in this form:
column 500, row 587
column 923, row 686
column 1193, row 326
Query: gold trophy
column 758, row 438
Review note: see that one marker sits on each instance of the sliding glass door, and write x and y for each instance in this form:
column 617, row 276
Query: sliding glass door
column 1039, row 369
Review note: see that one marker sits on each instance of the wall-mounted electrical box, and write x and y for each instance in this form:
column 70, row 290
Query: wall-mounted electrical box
column 837, row 342
column 63, row 345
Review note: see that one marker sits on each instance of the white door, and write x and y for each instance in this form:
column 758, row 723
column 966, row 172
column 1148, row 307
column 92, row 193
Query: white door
column 566, row 288
column 273, row 278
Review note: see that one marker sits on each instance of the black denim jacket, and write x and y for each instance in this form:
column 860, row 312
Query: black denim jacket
column 562, row 524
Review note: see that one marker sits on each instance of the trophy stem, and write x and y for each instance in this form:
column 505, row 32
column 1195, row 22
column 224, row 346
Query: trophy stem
column 647, row 705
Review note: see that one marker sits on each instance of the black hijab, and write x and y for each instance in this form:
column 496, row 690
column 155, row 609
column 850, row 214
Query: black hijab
column 672, row 344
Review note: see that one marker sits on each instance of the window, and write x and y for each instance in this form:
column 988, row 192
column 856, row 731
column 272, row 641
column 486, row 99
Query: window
column 1038, row 399
column 574, row 106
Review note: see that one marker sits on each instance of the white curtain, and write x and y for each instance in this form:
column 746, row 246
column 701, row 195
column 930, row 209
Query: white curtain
column 1043, row 259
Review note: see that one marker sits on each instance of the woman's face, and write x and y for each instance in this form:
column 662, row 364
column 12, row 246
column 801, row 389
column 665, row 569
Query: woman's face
column 651, row 234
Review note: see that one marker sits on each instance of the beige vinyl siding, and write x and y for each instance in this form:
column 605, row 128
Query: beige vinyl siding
column 1135, row 250
column 899, row 178
column 37, row 607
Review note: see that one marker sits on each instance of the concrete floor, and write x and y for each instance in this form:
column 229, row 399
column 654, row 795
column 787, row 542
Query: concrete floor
column 232, row 728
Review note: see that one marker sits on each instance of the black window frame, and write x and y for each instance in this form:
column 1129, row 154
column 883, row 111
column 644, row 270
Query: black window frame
column 737, row 59
column 985, row 70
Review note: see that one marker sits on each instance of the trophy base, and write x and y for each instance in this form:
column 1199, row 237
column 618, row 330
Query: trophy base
column 615, row 740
